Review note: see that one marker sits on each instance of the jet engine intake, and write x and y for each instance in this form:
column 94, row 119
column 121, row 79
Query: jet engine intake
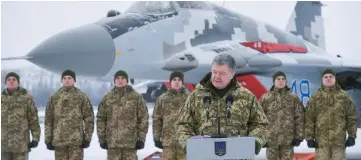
column 154, row 90
column 349, row 80
column 112, row 13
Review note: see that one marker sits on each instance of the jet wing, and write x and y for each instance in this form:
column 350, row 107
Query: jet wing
column 312, row 63
column 250, row 60
column 307, row 65
column 291, row 61
column 270, row 56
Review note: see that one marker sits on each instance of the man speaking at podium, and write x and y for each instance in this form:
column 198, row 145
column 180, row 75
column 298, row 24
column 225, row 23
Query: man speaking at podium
column 209, row 100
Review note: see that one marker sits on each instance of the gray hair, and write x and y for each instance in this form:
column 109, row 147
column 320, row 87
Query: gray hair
column 227, row 59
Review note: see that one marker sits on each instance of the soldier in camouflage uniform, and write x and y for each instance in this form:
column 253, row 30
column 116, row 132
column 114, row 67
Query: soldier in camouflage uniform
column 246, row 112
column 165, row 116
column 285, row 113
column 19, row 116
column 122, row 120
column 66, row 111
column 330, row 112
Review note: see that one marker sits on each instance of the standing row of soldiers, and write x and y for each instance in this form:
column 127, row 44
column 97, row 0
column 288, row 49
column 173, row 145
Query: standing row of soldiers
column 122, row 120
column 278, row 121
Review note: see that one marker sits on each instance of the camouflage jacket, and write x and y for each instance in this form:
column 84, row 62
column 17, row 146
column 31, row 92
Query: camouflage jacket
column 246, row 113
column 122, row 118
column 65, row 113
column 165, row 115
column 285, row 113
column 330, row 112
column 19, row 115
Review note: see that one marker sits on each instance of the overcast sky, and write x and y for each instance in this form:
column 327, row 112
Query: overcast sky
column 26, row 24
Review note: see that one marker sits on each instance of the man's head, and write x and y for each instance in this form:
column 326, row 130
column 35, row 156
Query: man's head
column 176, row 80
column 68, row 78
column 328, row 78
column 279, row 79
column 223, row 70
column 121, row 78
column 12, row 80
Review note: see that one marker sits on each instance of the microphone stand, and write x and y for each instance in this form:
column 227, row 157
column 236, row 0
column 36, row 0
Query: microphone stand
column 218, row 118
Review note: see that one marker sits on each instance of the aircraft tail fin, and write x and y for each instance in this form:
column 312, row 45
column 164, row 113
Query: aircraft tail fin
column 306, row 21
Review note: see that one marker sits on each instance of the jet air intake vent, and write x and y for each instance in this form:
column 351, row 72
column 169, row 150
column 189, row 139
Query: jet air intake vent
column 349, row 80
column 219, row 50
column 112, row 13
column 189, row 57
column 270, row 47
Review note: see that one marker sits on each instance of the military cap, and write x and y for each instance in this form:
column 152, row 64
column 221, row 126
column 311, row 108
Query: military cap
column 12, row 74
column 279, row 73
column 328, row 71
column 176, row 74
column 68, row 73
column 121, row 73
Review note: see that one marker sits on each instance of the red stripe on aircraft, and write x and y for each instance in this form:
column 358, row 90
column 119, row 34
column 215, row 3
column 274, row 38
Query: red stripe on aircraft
column 167, row 84
column 270, row 47
column 189, row 86
column 251, row 82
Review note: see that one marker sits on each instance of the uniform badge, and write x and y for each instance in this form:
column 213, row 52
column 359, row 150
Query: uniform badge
column 220, row 148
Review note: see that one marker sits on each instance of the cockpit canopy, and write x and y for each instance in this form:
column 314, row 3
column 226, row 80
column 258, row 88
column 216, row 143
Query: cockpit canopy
column 202, row 5
column 151, row 7
column 166, row 7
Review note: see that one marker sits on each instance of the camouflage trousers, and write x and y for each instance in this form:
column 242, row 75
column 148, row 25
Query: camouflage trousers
column 69, row 153
column 173, row 152
column 280, row 152
column 121, row 154
column 330, row 153
column 14, row 155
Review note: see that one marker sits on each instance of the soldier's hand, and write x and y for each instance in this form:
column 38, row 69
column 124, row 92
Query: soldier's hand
column 104, row 145
column 258, row 148
column 139, row 145
column 33, row 144
column 265, row 145
column 350, row 142
column 312, row 144
column 158, row 144
column 296, row 142
column 50, row 146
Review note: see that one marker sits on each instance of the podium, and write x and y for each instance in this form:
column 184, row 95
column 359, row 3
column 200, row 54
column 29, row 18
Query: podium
column 231, row 148
column 220, row 146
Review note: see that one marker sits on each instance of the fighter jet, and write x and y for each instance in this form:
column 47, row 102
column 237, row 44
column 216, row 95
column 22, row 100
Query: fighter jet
column 152, row 39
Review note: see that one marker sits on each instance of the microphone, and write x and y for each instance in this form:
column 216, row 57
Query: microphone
column 207, row 101
column 229, row 101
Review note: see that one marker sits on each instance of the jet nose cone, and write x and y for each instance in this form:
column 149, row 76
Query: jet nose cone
column 88, row 50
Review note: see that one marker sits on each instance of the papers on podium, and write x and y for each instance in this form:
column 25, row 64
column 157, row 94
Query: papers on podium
column 231, row 148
